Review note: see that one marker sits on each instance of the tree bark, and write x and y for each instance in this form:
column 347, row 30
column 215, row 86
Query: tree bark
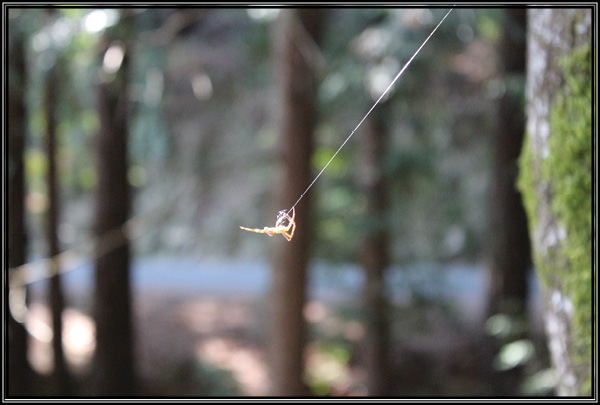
column 19, row 371
column 114, row 336
column 297, row 82
column 374, row 254
column 557, row 185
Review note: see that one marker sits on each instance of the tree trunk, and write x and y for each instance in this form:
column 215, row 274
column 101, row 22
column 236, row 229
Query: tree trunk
column 19, row 371
column 57, row 301
column 113, row 312
column 374, row 255
column 510, row 247
column 510, row 257
column 297, row 83
column 557, row 185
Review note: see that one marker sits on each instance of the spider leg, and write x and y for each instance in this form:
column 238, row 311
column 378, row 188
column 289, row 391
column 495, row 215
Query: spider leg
column 251, row 229
column 267, row 230
column 290, row 235
column 291, row 225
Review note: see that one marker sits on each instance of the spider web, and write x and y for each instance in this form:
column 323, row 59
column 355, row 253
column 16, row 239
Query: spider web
column 371, row 109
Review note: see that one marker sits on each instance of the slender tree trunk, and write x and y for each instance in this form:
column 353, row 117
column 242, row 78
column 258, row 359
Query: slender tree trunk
column 19, row 371
column 298, row 116
column 510, row 258
column 57, row 302
column 114, row 336
column 510, row 247
column 374, row 255
column 556, row 181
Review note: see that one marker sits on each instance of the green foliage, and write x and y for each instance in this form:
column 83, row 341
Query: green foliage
column 328, row 365
column 426, row 161
column 36, row 166
column 514, row 354
column 488, row 24
column 337, row 167
column 505, row 326
column 405, row 164
column 193, row 378
column 541, row 383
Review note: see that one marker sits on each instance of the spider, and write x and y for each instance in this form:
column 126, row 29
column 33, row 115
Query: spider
column 280, row 226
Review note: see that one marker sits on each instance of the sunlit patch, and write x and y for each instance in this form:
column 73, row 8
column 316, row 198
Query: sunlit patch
column 98, row 20
column 113, row 58
column 380, row 76
column 499, row 325
column 514, row 354
column 79, row 337
column 40, row 41
column 354, row 330
column 202, row 86
column 62, row 32
column 541, row 383
column 414, row 18
column 17, row 304
column 40, row 348
column 263, row 14
column 136, row 175
column 327, row 368
column 79, row 340
column 371, row 43
column 36, row 202
column 37, row 323
column 204, row 316
column 477, row 63
column 246, row 365
column 200, row 316
column 315, row 311
column 333, row 85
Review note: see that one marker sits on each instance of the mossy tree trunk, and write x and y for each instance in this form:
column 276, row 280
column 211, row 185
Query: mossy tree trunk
column 297, row 31
column 556, row 181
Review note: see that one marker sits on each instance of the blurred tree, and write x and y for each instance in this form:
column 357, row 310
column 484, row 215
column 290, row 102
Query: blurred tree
column 509, row 246
column 510, row 254
column 556, row 181
column 114, row 372
column 374, row 253
column 19, row 371
column 297, row 31
column 57, row 302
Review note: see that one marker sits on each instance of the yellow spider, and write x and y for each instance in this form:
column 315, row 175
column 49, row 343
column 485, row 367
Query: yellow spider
column 280, row 226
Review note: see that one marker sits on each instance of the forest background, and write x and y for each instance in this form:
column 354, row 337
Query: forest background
column 140, row 139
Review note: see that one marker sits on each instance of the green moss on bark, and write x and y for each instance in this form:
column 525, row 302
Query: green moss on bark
column 570, row 168
column 568, row 171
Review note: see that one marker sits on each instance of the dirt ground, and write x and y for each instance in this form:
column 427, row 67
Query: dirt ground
column 189, row 346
